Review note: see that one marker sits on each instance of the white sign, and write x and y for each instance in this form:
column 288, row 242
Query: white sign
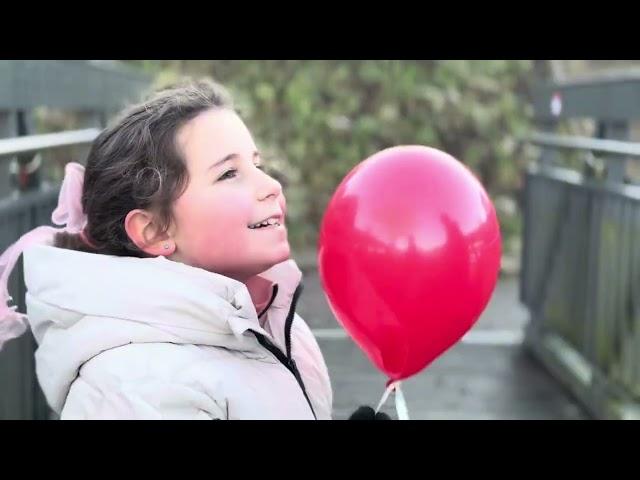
column 556, row 104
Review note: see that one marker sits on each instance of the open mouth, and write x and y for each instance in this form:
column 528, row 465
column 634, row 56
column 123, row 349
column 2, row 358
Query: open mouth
column 270, row 222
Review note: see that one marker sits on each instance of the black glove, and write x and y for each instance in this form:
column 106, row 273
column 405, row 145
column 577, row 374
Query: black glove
column 368, row 413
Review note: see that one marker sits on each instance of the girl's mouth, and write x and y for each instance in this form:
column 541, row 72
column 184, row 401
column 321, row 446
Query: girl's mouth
column 271, row 222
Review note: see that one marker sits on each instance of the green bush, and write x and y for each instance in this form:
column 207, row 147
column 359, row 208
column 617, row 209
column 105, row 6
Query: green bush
column 321, row 118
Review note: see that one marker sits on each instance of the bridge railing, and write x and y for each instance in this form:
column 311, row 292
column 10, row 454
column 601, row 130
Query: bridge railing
column 20, row 394
column 581, row 268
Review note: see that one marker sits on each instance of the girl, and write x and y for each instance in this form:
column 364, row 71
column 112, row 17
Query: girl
column 169, row 293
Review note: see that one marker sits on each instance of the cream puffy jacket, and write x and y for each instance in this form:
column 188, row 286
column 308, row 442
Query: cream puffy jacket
column 132, row 338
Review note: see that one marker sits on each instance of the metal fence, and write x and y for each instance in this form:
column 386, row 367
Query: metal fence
column 91, row 93
column 581, row 269
column 20, row 394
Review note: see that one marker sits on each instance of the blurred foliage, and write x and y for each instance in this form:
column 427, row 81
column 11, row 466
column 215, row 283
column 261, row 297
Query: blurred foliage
column 321, row 118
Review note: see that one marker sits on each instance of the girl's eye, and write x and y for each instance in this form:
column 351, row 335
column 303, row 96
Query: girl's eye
column 228, row 174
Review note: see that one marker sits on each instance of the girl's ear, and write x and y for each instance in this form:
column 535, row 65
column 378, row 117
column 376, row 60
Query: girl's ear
column 143, row 232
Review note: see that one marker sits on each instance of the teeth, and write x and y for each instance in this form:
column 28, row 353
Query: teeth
column 266, row 223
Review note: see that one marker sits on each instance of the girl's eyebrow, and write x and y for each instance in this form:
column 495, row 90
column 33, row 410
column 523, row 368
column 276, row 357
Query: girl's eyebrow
column 231, row 156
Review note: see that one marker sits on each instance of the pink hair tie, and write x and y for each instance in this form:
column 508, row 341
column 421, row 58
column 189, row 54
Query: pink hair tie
column 68, row 213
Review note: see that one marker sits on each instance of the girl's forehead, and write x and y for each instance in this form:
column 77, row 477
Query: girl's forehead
column 214, row 133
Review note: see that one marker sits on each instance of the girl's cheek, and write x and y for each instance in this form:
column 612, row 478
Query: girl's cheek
column 225, row 217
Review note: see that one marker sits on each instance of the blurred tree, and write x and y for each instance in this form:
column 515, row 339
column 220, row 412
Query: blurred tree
column 321, row 118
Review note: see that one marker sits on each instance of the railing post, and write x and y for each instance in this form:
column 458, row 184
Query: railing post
column 616, row 164
column 25, row 168
column 8, row 129
column 548, row 155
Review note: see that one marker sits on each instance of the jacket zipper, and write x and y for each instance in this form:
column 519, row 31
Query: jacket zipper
column 286, row 359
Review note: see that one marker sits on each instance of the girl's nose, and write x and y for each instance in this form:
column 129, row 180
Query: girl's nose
column 270, row 187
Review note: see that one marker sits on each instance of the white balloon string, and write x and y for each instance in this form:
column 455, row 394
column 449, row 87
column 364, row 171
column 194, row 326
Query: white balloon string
column 385, row 395
column 401, row 404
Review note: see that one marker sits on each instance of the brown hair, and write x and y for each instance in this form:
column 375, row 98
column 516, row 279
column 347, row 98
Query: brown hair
column 136, row 163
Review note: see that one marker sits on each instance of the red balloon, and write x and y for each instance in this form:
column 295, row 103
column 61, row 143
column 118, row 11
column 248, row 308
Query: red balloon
column 408, row 255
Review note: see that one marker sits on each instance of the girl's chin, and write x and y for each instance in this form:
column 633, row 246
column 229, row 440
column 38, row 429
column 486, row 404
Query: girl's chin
column 261, row 263
column 281, row 256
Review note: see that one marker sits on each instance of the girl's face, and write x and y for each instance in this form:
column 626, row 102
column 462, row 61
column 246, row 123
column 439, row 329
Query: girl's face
column 216, row 219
